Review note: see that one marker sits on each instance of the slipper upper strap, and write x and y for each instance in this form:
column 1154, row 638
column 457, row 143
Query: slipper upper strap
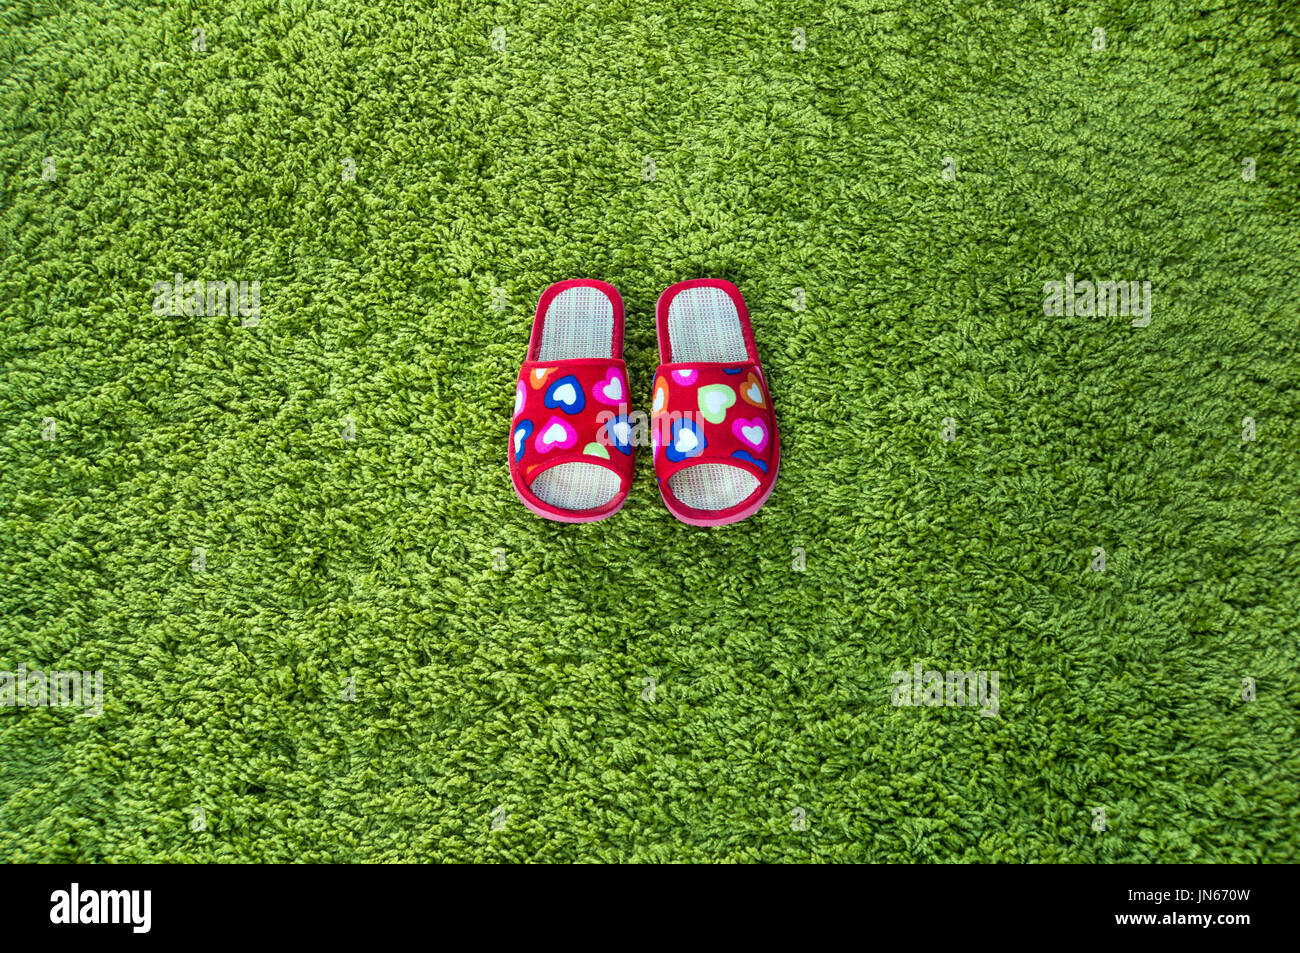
column 571, row 411
column 712, row 413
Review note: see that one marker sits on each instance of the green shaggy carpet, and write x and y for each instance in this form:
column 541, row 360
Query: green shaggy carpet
column 316, row 648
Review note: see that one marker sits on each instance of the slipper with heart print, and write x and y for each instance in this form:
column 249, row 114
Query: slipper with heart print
column 571, row 455
column 716, row 448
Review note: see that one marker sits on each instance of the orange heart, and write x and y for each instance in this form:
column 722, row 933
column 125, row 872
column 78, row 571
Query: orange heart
column 537, row 376
column 751, row 392
column 660, row 403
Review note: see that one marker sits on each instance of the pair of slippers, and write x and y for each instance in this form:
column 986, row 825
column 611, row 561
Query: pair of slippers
column 573, row 434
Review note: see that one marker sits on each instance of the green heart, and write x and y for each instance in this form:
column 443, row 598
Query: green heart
column 714, row 401
column 596, row 450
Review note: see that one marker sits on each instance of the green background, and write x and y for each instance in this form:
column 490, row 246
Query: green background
column 517, row 694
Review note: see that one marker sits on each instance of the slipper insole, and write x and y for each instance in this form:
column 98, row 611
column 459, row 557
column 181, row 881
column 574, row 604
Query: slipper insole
column 579, row 322
column 703, row 326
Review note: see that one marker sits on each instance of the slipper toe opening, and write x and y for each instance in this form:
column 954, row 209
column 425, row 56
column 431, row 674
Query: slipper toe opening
column 579, row 487
column 712, row 486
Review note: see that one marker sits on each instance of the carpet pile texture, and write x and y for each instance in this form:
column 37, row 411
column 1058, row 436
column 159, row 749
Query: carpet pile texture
column 328, row 631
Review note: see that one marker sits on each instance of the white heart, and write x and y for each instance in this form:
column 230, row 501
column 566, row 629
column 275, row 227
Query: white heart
column 519, row 398
column 753, row 434
column 659, row 402
column 755, row 394
column 686, row 441
column 565, row 395
column 519, row 438
column 614, row 389
column 554, row 434
column 622, row 432
column 714, row 400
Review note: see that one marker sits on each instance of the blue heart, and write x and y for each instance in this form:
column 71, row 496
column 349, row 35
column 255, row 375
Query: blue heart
column 619, row 430
column 742, row 455
column 688, row 440
column 732, row 370
column 571, row 401
column 522, row 432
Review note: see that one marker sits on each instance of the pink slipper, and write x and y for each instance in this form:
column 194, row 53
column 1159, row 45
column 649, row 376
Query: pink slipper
column 716, row 448
column 571, row 453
